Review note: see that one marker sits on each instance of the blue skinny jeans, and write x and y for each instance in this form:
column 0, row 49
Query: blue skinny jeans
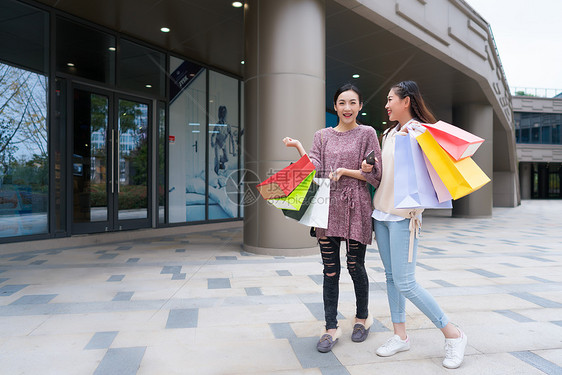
column 393, row 238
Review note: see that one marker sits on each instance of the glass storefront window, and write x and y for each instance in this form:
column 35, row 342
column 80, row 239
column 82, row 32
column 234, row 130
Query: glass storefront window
column 556, row 135
column 85, row 52
column 24, row 164
column 224, row 133
column 141, row 69
column 187, row 142
column 24, row 161
column 24, row 33
column 545, row 135
column 525, row 135
column 161, row 157
column 535, row 135
column 540, row 128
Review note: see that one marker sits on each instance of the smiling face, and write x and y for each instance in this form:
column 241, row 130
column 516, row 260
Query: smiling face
column 348, row 106
column 398, row 109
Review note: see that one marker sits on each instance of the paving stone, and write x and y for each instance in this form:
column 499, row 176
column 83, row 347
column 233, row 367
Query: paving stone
column 101, row 340
column 218, row 283
column 538, row 362
column 8, row 290
column 121, row 361
column 36, row 299
column 183, row 318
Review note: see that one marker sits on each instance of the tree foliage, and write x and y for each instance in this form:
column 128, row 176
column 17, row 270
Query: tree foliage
column 23, row 125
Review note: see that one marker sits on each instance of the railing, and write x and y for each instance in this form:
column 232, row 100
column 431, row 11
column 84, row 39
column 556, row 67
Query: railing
column 536, row 92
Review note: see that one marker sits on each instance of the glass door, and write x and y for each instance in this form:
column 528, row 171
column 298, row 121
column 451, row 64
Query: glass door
column 132, row 169
column 110, row 162
column 91, row 161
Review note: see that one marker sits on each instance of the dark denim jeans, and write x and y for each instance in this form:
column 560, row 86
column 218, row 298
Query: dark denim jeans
column 330, row 248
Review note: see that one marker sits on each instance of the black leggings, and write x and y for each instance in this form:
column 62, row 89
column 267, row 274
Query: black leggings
column 330, row 248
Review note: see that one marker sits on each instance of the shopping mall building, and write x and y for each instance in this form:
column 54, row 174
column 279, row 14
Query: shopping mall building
column 145, row 118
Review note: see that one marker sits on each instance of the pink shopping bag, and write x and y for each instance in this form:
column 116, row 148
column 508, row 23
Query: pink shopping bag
column 457, row 142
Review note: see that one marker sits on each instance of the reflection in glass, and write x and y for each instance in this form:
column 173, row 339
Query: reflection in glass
column 85, row 52
column 24, row 172
column 24, row 36
column 89, row 157
column 161, row 162
column 187, row 142
column 141, row 69
column 224, row 133
column 133, row 160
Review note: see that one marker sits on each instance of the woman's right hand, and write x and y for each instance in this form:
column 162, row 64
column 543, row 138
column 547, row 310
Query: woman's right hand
column 366, row 167
column 290, row 142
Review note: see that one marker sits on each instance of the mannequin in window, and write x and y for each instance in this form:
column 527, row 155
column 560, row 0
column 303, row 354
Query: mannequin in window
column 221, row 135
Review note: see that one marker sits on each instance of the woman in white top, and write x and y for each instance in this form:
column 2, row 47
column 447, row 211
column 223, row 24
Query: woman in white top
column 395, row 233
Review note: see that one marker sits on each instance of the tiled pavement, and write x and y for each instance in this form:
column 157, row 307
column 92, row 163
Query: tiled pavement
column 198, row 304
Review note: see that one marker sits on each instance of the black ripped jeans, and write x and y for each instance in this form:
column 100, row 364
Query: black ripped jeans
column 330, row 248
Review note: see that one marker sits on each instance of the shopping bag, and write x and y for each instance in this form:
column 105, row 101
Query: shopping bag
column 316, row 215
column 412, row 184
column 298, row 214
column 460, row 177
column 286, row 180
column 457, row 142
column 295, row 199
column 440, row 188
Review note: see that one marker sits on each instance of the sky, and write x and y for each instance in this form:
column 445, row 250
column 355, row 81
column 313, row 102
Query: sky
column 528, row 35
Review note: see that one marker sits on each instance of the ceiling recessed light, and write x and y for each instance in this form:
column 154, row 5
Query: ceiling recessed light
column 364, row 114
column 356, row 76
column 165, row 29
column 70, row 64
column 148, row 86
column 242, row 62
column 384, row 122
column 237, row 4
column 112, row 48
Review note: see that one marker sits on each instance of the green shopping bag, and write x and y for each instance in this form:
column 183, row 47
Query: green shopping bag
column 296, row 198
column 298, row 214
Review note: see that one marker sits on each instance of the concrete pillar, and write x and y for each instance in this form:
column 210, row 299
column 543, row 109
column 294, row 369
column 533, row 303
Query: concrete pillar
column 525, row 180
column 477, row 119
column 284, row 95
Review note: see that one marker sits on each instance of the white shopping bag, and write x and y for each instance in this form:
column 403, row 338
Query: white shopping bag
column 317, row 213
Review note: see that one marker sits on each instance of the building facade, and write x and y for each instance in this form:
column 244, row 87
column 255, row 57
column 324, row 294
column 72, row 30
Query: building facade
column 538, row 126
column 118, row 115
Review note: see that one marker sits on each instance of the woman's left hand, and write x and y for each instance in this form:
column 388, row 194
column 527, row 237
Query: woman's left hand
column 337, row 174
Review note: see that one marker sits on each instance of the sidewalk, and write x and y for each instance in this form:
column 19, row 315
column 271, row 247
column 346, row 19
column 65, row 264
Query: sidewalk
column 197, row 304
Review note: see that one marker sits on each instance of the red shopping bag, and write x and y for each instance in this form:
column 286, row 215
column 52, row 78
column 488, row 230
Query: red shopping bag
column 457, row 142
column 286, row 180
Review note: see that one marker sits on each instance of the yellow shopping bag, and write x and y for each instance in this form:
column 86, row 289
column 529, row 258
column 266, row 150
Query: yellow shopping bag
column 460, row 177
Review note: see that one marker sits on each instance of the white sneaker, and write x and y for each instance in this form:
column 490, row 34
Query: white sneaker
column 454, row 351
column 393, row 345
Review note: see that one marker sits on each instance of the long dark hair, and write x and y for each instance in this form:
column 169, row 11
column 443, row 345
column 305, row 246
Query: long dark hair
column 418, row 109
